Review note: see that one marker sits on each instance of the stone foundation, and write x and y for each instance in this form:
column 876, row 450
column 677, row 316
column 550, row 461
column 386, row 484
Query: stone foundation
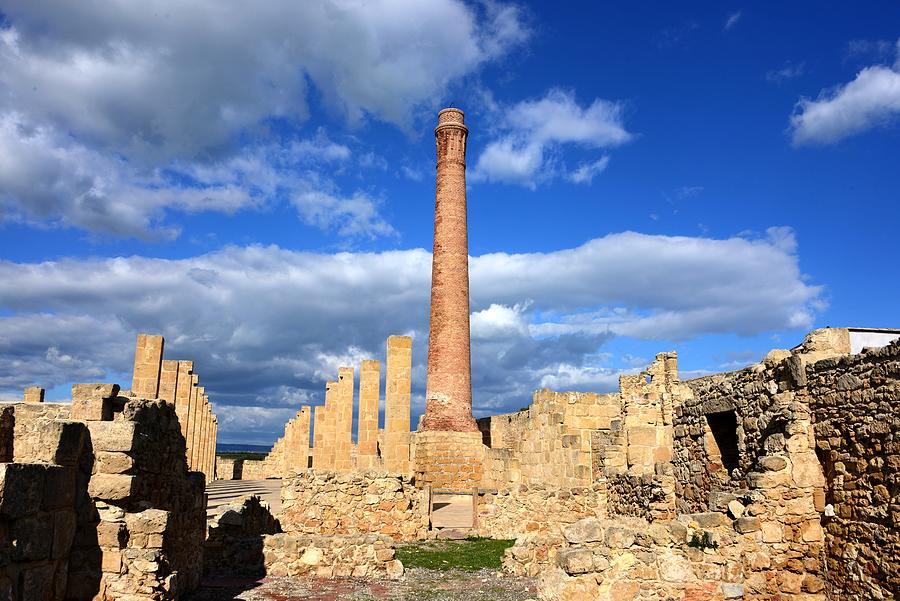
column 357, row 556
column 452, row 461
column 322, row 503
column 537, row 510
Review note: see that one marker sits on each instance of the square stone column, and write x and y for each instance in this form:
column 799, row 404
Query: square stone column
column 33, row 394
column 396, row 405
column 215, row 442
column 203, row 426
column 193, row 419
column 183, row 397
column 299, row 459
column 148, row 354
column 168, row 380
column 318, row 434
column 367, row 426
column 343, row 441
column 329, row 426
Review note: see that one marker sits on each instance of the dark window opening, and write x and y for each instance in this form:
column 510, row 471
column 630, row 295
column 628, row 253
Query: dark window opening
column 724, row 430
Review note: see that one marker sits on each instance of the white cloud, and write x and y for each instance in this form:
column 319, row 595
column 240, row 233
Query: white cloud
column 267, row 326
column 585, row 172
column 47, row 179
column 161, row 77
column 871, row 100
column 733, row 19
column 102, row 104
column 788, row 71
column 533, row 130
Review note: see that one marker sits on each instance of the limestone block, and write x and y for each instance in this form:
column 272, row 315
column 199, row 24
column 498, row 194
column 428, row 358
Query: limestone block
column 149, row 521
column 576, row 560
column 93, row 402
column 112, row 487
column 118, row 436
column 148, row 354
column 584, row 531
column 34, row 394
column 64, row 524
column 31, row 538
column 113, row 463
column 59, row 487
column 21, row 489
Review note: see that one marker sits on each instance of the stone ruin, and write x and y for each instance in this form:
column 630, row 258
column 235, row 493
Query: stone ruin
column 103, row 497
column 780, row 481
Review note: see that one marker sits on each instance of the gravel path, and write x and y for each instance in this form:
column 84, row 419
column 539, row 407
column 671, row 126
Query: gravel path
column 416, row 585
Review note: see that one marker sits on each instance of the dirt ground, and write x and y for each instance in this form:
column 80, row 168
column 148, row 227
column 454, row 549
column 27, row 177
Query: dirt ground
column 416, row 585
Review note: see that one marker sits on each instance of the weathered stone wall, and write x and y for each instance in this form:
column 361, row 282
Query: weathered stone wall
column 105, row 507
column 318, row 502
column 648, row 496
column 856, row 408
column 701, row 556
column 550, row 442
column 358, row 556
column 234, row 543
column 38, row 506
column 536, row 509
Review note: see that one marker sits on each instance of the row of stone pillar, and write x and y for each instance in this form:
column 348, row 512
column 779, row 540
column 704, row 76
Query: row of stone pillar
column 333, row 422
column 177, row 383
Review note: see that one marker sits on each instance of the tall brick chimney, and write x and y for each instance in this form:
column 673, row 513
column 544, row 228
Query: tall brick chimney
column 448, row 398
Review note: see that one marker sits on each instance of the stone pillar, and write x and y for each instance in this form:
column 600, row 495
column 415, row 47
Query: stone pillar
column 168, row 380
column 318, row 432
column 147, row 365
column 183, row 397
column 449, row 450
column 201, row 436
column 367, row 424
column 396, row 405
column 215, row 442
column 329, row 426
column 194, row 416
column 33, row 394
column 343, row 441
column 448, row 396
column 299, row 459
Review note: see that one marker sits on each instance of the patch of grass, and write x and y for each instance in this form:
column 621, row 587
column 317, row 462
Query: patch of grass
column 470, row 555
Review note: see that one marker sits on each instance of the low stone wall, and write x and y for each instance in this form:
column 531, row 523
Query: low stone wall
column 701, row 556
column 856, row 409
column 537, row 509
column 532, row 554
column 234, row 544
column 317, row 502
column 357, row 556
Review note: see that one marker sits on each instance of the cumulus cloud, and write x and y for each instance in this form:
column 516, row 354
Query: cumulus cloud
column 531, row 132
column 102, row 103
column 871, row 100
column 267, row 327
column 48, row 179
column 164, row 77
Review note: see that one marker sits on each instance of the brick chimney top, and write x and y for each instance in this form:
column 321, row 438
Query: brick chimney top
column 451, row 116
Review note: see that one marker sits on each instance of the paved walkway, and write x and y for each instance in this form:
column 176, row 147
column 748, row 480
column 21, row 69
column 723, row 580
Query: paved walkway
column 222, row 492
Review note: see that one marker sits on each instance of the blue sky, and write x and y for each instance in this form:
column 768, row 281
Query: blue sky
column 715, row 178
